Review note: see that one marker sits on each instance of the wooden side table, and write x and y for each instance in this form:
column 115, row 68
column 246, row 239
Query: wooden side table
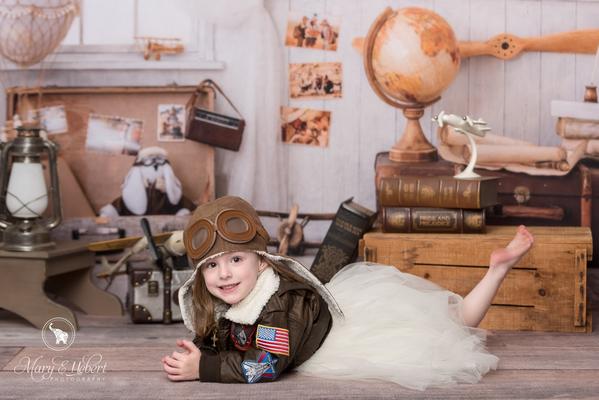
column 64, row 270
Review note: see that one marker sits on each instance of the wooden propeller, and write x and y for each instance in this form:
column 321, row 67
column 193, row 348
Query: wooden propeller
column 120, row 244
column 287, row 230
column 507, row 46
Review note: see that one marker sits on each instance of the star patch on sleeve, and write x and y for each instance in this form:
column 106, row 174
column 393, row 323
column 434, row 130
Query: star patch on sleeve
column 263, row 367
column 272, row 339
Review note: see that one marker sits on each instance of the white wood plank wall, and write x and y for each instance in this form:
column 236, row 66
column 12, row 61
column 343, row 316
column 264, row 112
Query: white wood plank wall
column 513, row 96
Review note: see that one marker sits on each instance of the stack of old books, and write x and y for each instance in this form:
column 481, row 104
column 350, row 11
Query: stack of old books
column 435, row 204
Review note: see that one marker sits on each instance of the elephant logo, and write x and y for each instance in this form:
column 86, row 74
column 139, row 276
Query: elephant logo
column 61, row 336
column 58, row 333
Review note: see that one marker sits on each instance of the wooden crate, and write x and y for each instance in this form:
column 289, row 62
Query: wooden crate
column 545, row 291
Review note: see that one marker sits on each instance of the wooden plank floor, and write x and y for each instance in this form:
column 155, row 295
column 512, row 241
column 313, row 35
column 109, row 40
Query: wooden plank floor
column 534, row 365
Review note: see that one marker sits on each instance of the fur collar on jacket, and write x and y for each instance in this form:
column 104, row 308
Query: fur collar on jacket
column 248, row 310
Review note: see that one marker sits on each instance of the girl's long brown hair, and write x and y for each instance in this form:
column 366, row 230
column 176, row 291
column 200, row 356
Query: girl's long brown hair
column 204, row 302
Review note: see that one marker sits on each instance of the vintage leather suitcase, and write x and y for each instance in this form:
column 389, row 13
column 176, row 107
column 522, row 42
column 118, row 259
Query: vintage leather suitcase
column 149, row 299
column 524, row 199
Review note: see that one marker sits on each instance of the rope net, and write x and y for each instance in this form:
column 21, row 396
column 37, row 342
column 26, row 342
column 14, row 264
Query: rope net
column 32, row 29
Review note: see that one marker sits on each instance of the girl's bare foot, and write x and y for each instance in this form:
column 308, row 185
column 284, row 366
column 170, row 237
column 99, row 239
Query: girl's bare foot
column 502, row 260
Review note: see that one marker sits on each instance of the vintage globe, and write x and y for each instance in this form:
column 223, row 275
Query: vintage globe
column 411, row 56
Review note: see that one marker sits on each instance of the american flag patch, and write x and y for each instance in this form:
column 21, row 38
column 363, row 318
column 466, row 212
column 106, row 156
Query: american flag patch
column 274, row 340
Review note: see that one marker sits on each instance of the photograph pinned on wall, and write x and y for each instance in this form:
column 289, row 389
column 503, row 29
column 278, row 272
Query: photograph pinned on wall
column 171, row 122
column 52, row 119
column 315, row 80
column 312, row 31
column 305, row 126
column 113, row 134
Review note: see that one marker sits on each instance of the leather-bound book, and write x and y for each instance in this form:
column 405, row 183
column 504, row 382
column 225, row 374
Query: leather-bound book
column 438, row 192
column 432, row 220
column 340, row 245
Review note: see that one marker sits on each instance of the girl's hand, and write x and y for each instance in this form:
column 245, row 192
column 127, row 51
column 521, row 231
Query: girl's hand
column 183, row 366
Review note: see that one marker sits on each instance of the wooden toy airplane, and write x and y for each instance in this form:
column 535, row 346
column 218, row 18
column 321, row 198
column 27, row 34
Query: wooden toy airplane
column 172, row 242
column 154, row 47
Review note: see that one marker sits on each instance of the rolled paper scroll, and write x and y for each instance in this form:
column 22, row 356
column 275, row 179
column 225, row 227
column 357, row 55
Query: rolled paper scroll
column 559, row 165
column 448, row 135
column 590, row 146
column 573, row 128
column 497, row 153
column 572, row 144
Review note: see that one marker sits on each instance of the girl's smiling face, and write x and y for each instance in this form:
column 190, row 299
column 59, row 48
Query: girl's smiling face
column 232, row 276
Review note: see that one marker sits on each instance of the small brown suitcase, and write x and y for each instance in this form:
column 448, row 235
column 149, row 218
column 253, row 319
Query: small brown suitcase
column 147, row 296
column 524, row 199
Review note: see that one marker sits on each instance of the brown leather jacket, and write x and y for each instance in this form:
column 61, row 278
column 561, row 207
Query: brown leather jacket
column 243, row 353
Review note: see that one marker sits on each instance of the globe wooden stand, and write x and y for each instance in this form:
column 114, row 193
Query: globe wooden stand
column 413, row 145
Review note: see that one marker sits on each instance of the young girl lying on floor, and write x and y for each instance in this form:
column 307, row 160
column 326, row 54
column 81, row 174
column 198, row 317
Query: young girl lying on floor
column 256, row 314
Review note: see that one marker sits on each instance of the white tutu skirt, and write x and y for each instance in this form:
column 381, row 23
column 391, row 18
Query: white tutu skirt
column 398, row 327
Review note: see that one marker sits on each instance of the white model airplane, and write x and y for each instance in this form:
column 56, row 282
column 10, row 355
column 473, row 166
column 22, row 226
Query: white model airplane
column 469, row 127
column 465, row 124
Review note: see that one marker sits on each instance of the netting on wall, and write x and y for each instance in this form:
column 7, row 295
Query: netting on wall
column 32, row 29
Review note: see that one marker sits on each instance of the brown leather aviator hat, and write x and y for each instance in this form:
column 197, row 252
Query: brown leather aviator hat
column 232, row 224
column 223, row 225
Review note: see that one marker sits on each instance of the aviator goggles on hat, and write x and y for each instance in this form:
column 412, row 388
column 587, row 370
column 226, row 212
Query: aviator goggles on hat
column 233, row 226
column 153, row 160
